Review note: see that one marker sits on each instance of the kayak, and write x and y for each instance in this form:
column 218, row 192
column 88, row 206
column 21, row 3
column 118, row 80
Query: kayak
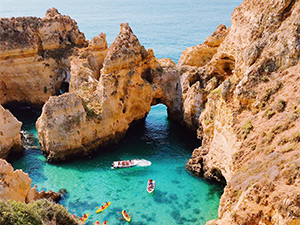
column 125, row 164
column 105, row 206
column 85, row 218
column 150, row 186
column 126, row 216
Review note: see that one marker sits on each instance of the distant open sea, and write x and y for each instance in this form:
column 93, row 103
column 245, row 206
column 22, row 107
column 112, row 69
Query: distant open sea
column 168, row 27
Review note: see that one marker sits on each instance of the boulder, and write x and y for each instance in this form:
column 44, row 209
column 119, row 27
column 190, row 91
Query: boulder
column 10, row 138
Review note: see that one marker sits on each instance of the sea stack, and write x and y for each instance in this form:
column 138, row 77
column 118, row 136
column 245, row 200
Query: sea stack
column 109, row 89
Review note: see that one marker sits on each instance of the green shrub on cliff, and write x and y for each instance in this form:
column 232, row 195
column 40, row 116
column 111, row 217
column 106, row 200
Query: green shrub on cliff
column 36, row 213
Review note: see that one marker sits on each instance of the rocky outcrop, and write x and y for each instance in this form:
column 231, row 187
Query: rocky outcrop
column 34, row 56
column 10, row 138
column 239, row 89
column 250, row 122
column 16, row 185
column 201, row 54
column 106, row 96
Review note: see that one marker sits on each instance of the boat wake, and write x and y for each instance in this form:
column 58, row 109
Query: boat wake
column 143, row 162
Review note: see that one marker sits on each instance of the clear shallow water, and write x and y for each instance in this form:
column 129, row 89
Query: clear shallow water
column 179, row 198
column 168, row 27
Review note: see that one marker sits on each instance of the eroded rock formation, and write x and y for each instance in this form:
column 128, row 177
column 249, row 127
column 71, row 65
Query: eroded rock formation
column 239, row 89
column 109, row 89
column 34, row 56
column 10, row 138
column 250, row 122
column 16, row 185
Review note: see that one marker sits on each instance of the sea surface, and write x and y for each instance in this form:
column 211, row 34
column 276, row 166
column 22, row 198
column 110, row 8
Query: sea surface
column 168, row 27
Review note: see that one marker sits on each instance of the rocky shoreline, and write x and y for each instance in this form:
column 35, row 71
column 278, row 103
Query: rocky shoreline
column 238, row 90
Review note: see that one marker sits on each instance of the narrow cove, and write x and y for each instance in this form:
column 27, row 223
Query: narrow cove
column 179, row 198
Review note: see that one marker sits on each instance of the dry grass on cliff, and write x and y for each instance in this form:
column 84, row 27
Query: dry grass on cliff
column 36, row 213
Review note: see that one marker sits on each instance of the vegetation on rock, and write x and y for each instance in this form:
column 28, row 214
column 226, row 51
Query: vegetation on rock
column 35, row 213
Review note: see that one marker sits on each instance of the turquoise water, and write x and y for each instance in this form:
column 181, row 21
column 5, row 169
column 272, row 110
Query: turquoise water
column 168, row 27
column 179, row 198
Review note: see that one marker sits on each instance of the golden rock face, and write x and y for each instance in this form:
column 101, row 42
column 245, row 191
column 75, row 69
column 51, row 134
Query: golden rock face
column 34, row 56
column 10, row 138
column 250, row 122
column 16, row 183
column 109, row 89
column 239, row 90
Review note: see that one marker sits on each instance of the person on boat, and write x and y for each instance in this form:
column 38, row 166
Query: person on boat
column 123, row 164
column 106, row 203
column 125, row 213
column 97, row 223
column 105, row 222
column 150, row 184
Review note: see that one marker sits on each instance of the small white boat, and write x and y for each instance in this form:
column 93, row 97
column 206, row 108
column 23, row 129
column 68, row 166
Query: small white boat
column 125, row 163
column 150, row 186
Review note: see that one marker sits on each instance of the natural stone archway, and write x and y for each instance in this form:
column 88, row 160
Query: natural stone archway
column 101, row 106
column 239, row 88
column 112, row 87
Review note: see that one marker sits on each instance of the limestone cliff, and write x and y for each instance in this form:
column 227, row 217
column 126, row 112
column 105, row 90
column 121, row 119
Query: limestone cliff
column 16, row 185
column 34, row 56
column 109, row 89
column 239, row 89
column 250, row 122
column 10, row 138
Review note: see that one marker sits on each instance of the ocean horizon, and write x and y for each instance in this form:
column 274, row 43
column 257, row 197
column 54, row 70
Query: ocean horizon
column 168, row 28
